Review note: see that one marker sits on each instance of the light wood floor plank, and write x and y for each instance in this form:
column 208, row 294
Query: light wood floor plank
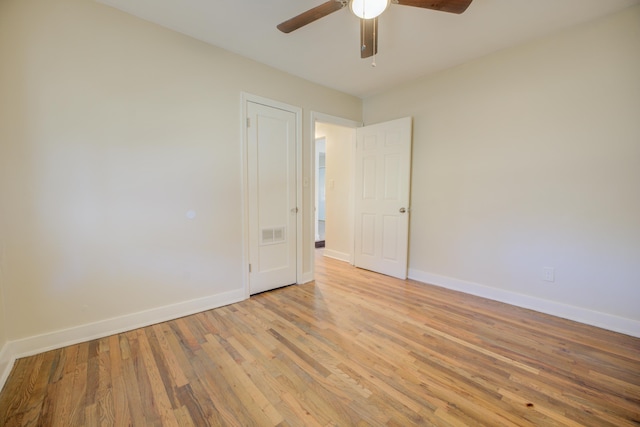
column 353, row 348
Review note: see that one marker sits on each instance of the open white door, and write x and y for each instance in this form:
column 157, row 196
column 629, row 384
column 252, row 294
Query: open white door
column 383, row 180
column 272, row 197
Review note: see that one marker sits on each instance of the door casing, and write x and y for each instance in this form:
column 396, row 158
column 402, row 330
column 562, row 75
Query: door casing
column 322, row 118
column 246, row 98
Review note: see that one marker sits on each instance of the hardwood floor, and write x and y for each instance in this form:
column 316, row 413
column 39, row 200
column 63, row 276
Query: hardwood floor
column 352, row 349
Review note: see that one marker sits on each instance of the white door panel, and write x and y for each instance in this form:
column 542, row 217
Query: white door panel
column 383, row 177
column 271, row 157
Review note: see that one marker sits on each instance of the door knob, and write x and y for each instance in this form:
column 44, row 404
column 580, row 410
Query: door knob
column 402, row 210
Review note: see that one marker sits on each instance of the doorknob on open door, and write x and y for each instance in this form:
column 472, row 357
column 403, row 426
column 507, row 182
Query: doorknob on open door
column 402, row 210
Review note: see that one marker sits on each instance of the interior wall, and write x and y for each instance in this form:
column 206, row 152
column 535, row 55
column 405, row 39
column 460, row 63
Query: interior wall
column 120, row 163
column 340, row 147
column 3, row 320
column 530, row 158
column 5, row 357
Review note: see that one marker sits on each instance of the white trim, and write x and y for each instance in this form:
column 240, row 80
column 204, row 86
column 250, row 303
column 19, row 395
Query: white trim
column 6, row 364
column 339, row 121
column 334, row 120
column 594, row 318
column 340, row 256
column 306, row 278
column 244, row 99
column 300, row 200
column 13, row 350
column 245, row 193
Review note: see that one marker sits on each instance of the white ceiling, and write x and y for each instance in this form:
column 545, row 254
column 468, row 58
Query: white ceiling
column 412, row 42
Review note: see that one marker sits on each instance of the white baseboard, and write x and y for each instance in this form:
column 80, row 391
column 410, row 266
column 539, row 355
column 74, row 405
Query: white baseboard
column 594, row 318
column 13, row 350
column 341, row 256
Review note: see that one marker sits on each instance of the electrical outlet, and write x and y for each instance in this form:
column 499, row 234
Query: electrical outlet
column 549, row 274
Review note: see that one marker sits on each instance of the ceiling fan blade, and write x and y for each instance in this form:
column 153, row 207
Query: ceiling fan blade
column 452, row 6
column 368, row 37
column 310, row 15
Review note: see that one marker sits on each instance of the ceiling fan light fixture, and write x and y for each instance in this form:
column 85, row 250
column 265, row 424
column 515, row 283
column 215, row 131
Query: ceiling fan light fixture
column 368, row 9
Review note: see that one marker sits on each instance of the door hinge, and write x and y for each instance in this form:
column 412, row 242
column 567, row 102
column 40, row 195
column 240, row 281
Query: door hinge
column 248, row 122
column 249, row 268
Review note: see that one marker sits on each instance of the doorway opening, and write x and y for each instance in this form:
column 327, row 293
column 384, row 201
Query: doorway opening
column 320, row 193
column 333, row 180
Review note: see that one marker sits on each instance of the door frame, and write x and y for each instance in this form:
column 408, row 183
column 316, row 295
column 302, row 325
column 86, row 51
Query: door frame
column 334, row 120
column 316, row 193
column 245, row 98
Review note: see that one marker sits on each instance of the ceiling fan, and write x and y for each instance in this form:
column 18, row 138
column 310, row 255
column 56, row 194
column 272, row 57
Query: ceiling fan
column 368, row 12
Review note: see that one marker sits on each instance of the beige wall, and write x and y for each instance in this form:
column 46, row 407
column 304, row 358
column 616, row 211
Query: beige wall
column 340, row 148
column 5, row 357
column 113, row 129
column 530, row 158
column 3, row 320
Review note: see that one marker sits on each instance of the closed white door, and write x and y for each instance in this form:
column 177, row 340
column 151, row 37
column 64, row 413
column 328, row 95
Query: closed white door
column 383, row 180
column 272, row 204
